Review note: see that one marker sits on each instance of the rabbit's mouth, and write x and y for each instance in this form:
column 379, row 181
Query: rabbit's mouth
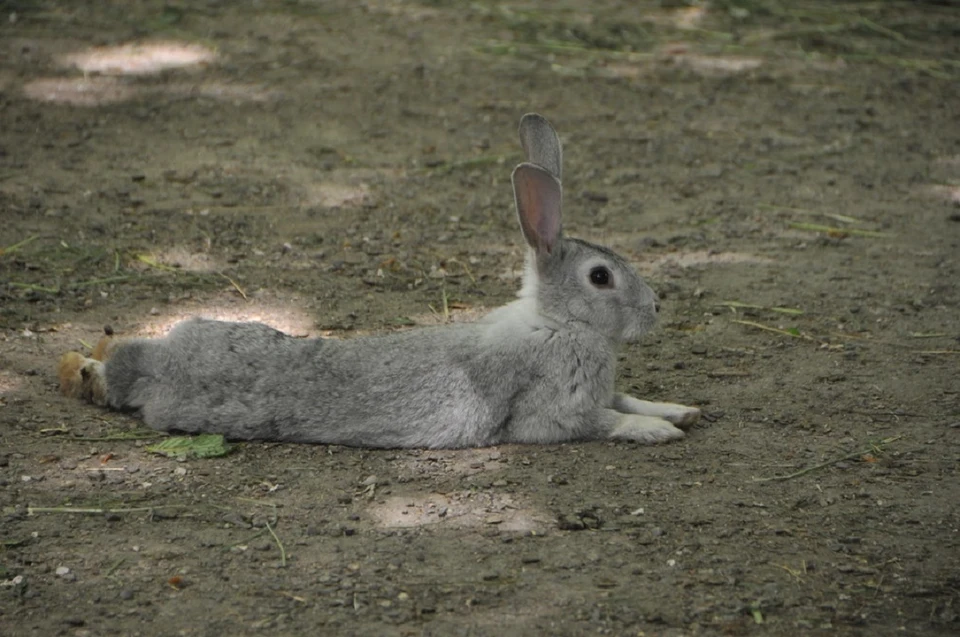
column 643, row 322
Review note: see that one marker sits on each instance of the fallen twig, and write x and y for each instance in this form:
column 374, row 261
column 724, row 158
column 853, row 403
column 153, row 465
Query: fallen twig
column 35, row 288
column 100, row 511
column 235, row 285
column 875, row 448
column 734, row 305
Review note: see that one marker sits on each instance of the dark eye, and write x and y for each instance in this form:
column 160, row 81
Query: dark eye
column 600, row 276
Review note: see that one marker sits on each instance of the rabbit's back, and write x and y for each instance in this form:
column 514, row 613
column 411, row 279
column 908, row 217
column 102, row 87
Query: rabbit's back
column 249, row 381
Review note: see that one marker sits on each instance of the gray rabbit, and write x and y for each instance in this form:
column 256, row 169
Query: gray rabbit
column 538, row 370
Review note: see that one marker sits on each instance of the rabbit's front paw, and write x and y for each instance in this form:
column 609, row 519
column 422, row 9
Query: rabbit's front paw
column 679, row 415
column 644, row 429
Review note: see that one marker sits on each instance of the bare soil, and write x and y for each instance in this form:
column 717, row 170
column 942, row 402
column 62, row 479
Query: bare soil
column 339, row 168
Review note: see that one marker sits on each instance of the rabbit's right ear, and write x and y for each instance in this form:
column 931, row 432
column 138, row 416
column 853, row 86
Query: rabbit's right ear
column 539, row 200
column 541, row 144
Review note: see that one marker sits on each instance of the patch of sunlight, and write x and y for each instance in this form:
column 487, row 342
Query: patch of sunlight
column 623, row 70
column 947, row 192
column 689, row 18
column 97, row 90
column 727, row 64
column 458, row 510
column 139, row 58
column 91, row 91
column 338, row 195
column 680, row 53
column 286, row 317
column 402, row 8
column 176, row 259
column 952, row 161
column 698, row 258
column 453, row 315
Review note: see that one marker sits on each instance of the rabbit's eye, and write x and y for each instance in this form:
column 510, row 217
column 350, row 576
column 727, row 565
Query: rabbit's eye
column 601, row 277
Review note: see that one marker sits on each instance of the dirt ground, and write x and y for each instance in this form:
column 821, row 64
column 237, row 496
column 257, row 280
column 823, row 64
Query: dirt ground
column 787, row 179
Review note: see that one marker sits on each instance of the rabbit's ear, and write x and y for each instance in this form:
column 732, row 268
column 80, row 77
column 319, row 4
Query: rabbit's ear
column 541, row 144
column 539, row 197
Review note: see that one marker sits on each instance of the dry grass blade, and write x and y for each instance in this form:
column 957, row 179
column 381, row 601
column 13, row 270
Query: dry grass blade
column 812, row 213
column 775, row 330
column 816, row 227
column 153, row 263
column 16, row 246
column 283, row 551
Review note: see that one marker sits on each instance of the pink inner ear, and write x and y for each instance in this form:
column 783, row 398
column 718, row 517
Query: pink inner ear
column 539, row 199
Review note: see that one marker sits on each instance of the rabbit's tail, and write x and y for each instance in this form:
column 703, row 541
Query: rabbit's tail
column 85, row 378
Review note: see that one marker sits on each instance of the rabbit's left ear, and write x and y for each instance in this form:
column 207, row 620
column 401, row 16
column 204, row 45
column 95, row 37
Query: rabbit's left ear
column 541, row 144
column 539, row 197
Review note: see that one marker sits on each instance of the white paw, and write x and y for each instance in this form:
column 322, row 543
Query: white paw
column 680, row 415
column 645, row 429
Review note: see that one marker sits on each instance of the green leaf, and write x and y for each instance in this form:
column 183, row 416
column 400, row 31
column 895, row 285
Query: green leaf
column 202, row 446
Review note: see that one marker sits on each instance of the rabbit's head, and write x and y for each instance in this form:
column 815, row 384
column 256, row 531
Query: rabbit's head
column 572, row 281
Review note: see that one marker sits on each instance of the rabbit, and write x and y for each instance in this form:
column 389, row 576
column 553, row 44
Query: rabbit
column 537, row 370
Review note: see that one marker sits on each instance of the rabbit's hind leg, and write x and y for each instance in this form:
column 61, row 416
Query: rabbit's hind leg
column 679, row 415
column 85, row 378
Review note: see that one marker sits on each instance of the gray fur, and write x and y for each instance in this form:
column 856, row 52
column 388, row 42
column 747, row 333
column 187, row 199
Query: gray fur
column 541, row 144
column 538, row 370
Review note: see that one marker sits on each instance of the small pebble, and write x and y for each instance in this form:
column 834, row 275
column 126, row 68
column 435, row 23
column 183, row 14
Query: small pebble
column 599, row 197
column 62, row 570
